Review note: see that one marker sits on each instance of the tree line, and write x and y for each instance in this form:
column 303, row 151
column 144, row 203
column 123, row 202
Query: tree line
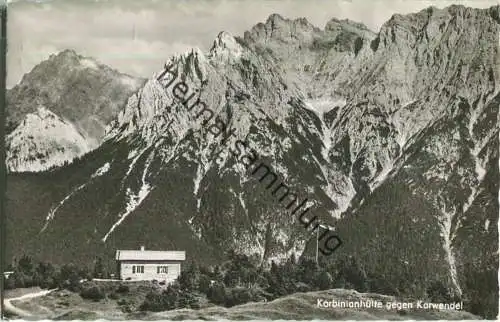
column 240, row 279
column 243, row 279
column 27, row 273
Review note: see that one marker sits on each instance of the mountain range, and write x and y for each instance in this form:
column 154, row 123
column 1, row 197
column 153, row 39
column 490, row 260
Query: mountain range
column 393, row 136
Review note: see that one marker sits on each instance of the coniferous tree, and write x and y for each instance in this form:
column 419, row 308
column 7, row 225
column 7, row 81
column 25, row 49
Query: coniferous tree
column 98, row 268
column 217, row 274
column 307, row 270
column 323, row 280
column 204, row 283
column 217, row 293
column 353, row 274
column 69, row 278
column 438, row 292
column 189, row 279
column 26, row 265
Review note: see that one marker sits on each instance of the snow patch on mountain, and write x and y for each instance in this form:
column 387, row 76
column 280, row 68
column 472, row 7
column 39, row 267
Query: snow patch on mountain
column 329, row 190
column 102, row 170
column 486, row 224
column 135, row 155
column 321, row 107
column 381, row 176
column 134, row 199
column 52, row 212
column 50, row 216
column 242, row 202
column 201, row 171
column 445, row 223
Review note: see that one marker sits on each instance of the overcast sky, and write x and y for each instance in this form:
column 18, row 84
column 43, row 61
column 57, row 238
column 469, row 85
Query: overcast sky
column 104, row 29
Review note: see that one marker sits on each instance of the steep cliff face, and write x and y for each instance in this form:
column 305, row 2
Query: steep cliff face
column 80, row 91
column 392, row 137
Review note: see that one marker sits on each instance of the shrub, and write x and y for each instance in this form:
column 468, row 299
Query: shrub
column 323, row 281
column 438, row 292
column 122, row 302
column 379, row 284
column 189, row 278
column 157, row 302
column 122, row 288
column 26, row 265
column 69, row 278
column 9, row 283
column 18, row 279
column 238, row 296
column 303, row 287
column 187, row 300
column 242, row 295
column 217, row 293
column 113, row 296
column 204, row 284
column 172, row 298
column 353, row 273
column 92, row 293
column 47, row 283
column 127, row 309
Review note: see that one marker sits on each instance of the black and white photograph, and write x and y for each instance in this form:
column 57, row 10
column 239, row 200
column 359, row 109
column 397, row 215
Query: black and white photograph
column 254, row 160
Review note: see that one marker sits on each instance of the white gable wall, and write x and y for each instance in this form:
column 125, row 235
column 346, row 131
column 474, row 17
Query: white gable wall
column 150, row 270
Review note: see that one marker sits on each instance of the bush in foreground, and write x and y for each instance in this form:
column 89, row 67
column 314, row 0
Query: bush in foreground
column 172, row 298
column 92, row 293
column 122, row 288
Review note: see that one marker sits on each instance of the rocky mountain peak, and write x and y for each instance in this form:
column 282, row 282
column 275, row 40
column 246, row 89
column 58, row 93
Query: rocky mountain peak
column 275, row 18
column 57, row 64
column 281, row 29
column 67, row 53
column 225, row 48
column 84, row 93
column 335, row 24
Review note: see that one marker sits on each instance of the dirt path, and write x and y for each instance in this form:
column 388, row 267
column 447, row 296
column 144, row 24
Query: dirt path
column 9, row 307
